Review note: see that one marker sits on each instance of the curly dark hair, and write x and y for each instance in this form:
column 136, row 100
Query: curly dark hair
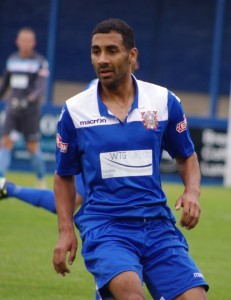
column 119, row 26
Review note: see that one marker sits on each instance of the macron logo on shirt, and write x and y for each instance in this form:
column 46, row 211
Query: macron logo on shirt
column 62, row 146
column 93, row 122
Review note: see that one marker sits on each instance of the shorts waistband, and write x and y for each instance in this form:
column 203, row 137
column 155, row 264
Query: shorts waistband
column 139, row 219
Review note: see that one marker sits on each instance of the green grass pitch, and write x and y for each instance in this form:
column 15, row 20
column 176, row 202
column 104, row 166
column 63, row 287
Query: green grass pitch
column 28, row 236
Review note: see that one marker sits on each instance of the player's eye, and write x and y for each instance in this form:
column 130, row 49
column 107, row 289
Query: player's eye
column 95, row 51
column 113, row 51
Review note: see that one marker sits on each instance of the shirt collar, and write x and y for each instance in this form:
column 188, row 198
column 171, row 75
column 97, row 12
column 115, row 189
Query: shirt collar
column 103, row 108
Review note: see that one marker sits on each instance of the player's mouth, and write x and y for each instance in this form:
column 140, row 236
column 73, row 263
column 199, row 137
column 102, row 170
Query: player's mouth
column 105, row 73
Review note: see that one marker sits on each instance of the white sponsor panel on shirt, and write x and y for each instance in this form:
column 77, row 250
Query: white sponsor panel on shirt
column 19, row 81
column 126, row 163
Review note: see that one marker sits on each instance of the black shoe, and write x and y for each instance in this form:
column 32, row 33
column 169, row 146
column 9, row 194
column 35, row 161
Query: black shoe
column 3, row 191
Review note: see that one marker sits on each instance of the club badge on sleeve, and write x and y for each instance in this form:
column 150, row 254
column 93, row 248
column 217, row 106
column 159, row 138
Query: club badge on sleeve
column 62, row 146
column 182, row 126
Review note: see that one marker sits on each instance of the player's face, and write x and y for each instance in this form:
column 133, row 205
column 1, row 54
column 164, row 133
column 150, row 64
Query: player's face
column 25, row 42
column 110, row 58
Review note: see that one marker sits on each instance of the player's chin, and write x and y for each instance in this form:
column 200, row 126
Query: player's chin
column 106, row 81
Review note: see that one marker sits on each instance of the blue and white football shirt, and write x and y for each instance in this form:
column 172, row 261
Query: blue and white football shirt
column 120, row 161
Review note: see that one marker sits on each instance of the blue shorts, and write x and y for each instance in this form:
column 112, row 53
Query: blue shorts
column 153, row 248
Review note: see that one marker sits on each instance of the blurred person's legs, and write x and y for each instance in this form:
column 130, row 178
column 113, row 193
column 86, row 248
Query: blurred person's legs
column 37, row 162
column 36, row 159
column 30, row 129
column 24, row 121
column 7, row 145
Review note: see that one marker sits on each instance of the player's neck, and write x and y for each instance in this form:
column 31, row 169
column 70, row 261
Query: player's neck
column 25, row 54
column 121, row 94
column 119, row 100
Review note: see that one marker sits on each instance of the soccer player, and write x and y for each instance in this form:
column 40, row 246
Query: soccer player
column 25, row 77
column 43, row 198
column 114, row 134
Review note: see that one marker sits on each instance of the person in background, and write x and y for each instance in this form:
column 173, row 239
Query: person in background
column 114, row 134
column 25, row 80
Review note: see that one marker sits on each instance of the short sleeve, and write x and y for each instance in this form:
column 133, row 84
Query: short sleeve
column 67, row 156
column 177, row 140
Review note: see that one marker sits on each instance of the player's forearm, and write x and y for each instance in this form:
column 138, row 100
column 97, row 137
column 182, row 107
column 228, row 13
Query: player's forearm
column 4, row 84
column 65, row 193
column 39, row 90
column 189, row 171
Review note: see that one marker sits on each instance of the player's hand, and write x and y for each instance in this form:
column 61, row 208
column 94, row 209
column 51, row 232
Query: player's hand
column 31, row 98
column 67, row 243
column 191, row 209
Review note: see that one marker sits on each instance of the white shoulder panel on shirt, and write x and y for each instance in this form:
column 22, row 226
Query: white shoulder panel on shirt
column 152, row 98
column 84, row 109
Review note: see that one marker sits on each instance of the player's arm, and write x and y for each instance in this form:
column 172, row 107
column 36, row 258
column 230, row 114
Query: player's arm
column 40, row 83
column 178, row 143
column 4, row 84
column 65, row 195
column 190, row 174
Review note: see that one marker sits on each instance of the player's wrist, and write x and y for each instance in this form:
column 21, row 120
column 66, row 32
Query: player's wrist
column 67, row 228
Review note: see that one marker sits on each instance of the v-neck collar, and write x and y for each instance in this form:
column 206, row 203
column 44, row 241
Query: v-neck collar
column 103, row 108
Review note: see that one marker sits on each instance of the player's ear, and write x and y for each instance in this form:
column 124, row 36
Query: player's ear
column 133, row 55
